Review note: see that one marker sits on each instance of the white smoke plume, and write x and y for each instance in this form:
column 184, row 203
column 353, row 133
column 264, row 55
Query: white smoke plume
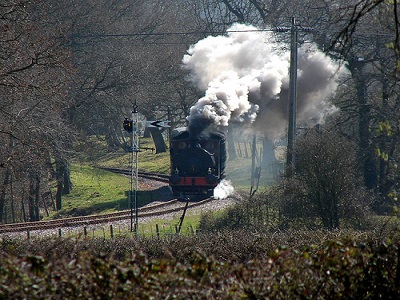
column 223, row 190
column 245, row 76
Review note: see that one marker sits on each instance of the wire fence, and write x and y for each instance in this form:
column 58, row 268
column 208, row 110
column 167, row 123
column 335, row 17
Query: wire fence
column 108, row 231
column 251, row 214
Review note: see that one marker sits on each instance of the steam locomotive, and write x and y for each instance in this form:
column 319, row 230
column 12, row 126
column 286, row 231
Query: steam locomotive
column 197, row 164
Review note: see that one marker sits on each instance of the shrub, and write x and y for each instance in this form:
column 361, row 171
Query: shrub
column 225, row 265
column 325, row 187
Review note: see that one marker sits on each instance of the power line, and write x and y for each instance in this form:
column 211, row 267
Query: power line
column 188, row 33
column 149, row 34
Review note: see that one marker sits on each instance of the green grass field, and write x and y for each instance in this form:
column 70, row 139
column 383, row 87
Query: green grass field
column 94, row 191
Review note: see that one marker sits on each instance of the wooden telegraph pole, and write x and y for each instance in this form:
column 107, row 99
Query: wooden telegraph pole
column 294, row 29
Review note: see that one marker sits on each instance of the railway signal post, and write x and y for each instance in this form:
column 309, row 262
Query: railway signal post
column 135, row 164
column 132, row 126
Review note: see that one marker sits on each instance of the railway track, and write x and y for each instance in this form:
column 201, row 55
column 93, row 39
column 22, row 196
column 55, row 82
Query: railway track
column 147, row 211
column 159, row 209
column 153, row 176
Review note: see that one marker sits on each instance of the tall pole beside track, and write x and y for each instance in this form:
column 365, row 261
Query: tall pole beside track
column 292, row 99
column 134, row 166
column 132, row 126
column 294, row 29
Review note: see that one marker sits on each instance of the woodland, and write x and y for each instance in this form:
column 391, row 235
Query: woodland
column 70, row 70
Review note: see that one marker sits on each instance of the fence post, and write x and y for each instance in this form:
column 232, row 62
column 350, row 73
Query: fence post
column 157, row 231
column 59, row 232
column 191, row 229
column 111, row 231
column 28, row 234
column 85, row 231
column 239, row 150
column 246, row 153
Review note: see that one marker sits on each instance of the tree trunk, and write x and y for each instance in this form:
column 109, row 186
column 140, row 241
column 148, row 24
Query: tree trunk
column 37, row 197
column 60, row 170
column 4, row 185
column 12, row 199
column 49, row 165
column 33, row 204
column 23, row 207
column 231, row 144
column 253, row 162
column 158, row 139
column 367, row 154
column 67, row 180
column 147, row 133
column 268, row 155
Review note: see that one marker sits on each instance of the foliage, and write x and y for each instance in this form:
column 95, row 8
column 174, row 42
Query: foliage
column 260, row 211
column 325, row 192
column 225, row 265
column 326, row 183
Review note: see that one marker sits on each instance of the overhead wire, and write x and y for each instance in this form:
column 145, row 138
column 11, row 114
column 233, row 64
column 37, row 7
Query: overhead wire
column 148, row 34
column 180, row 33
column 144, row 43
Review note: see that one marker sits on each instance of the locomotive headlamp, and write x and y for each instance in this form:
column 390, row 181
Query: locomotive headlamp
column 211, row 179
column 182, row 145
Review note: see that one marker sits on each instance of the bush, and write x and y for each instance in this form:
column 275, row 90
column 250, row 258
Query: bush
column 224, row 265
column 326, row 186
column 258, row 213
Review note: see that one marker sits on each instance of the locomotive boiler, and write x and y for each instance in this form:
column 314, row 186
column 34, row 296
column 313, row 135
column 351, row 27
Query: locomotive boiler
column 197, row 164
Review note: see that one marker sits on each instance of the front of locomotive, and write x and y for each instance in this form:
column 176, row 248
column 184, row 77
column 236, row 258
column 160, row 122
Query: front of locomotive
column 195, row 166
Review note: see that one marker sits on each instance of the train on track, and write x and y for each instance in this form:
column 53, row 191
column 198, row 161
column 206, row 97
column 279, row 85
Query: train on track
column 197, row 164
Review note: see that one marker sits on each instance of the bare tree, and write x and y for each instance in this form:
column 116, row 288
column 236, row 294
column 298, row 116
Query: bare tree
column 363, row 34
column 33, row 72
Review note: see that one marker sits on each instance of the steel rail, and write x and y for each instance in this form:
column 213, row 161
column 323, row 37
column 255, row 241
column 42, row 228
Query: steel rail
column 147, row 211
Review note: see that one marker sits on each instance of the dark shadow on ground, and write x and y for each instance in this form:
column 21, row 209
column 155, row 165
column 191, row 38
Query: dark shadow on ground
column 144, row 198
column 161, row 194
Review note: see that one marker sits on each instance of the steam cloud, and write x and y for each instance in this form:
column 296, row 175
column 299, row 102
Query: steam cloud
column 245, row 76
column 223, row 190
